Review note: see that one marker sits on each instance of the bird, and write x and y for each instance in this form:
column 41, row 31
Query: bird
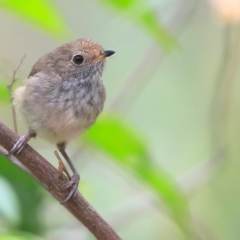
column 62, row 97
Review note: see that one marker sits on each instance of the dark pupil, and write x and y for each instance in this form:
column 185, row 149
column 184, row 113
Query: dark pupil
column 78, row 59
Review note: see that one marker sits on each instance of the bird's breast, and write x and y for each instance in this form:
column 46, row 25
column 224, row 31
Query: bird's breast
column 62, row 112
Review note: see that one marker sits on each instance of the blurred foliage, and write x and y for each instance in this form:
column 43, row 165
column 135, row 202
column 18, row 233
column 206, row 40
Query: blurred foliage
column 111, row 134
column 41, row 13
column 130, row 151
column 117, row 139
column 4, row 95
column 143, row 14
column 18, row 236
column 30, row 196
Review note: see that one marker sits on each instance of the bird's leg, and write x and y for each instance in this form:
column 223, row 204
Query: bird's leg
column 73, row 183
column 61, row 166
column 22, row 141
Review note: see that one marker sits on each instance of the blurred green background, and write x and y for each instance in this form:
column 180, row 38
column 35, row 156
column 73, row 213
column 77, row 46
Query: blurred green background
column 162, row 161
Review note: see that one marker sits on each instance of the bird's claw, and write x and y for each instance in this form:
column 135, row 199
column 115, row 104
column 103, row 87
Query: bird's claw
column 73, row 185
column 19, row 145
column 21, row 142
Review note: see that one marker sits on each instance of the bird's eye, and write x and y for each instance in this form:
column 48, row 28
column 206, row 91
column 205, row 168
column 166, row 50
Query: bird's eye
column 78, row 59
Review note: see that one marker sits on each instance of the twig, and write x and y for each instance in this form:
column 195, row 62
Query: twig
column 10, row 91
column 48, row 176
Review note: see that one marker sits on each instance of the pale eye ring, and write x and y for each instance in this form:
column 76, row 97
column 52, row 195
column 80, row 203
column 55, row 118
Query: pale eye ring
column 78, row 59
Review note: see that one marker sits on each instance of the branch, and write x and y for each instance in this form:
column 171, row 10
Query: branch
column 49, row 178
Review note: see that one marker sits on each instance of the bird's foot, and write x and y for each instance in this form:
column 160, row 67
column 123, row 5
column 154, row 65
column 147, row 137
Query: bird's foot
column 72, row 185
column 21, row 142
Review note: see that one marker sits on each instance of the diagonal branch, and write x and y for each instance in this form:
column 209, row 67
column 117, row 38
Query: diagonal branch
column 49, row 178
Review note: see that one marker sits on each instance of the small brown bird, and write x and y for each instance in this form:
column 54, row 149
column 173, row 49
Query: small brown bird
column 63, row 96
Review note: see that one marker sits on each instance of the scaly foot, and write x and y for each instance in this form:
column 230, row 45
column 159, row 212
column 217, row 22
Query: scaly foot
column 21, row 142
column 72, row 185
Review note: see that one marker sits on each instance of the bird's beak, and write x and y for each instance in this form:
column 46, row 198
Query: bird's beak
column 107, row 53
column 104, row 54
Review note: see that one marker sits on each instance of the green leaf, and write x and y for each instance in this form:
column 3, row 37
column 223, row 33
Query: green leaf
column 150, row 22
column 142, row 13
column 30, row 196
column 18, row 236
column 126, row 147
column 4, row 96
column 40, row 12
